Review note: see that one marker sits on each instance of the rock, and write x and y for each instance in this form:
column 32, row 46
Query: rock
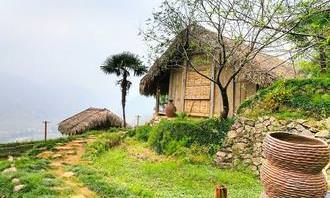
column 250, row 122
column 221, row 154
column 327, row 123
column 299, row 127
column 238, row 148
column 248, row 128
column 56, row 156
column 18, row 188
column 272, row 119
column 63, row 148
column 257, row 161
column 232, row 134
column 259, row 126
column 313, row 130
column 45, row 155
column 323, row 134
column 72, row 152
column 9, row 170
column 10, row 158
column 68, row 174
column 307, row 133
column 267, row 123
column 294, row 131
column 283, row 122
column 300, row 121
column 15, row 181
column 291, row 126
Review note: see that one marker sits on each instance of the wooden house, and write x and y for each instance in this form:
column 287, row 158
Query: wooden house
column 198, row 96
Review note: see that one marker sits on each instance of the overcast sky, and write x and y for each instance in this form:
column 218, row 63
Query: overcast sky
column 50, row 53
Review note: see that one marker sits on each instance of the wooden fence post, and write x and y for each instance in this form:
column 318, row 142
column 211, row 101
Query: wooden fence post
column 220, row 192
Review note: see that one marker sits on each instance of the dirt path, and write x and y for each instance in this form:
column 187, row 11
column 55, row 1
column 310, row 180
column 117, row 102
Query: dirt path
column 69, row 154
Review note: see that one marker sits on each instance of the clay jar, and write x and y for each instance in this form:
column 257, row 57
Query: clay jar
column 170, row 109
column 293, row 166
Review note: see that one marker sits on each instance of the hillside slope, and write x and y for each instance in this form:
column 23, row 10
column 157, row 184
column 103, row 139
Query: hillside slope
column 295, row 98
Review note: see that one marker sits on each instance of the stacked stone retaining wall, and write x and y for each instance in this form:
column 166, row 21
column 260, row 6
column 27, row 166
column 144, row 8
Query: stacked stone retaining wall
column 243, row 144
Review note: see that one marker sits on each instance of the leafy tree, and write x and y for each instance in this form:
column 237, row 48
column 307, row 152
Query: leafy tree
column 243, row 28
column 122, row 65
column 313, row 33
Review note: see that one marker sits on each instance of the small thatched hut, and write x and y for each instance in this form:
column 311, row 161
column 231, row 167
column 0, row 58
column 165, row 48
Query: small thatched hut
column 90, row 119
column 194, row 94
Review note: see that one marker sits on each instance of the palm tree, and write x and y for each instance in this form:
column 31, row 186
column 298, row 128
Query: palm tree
column 121, row 65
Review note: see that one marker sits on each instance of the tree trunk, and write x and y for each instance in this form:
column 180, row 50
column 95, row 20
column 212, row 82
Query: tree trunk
column 225, row 103
column 123, row 97
column 323, row 61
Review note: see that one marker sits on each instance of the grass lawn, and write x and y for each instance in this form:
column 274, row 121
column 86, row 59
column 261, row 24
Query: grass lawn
column 133, row 170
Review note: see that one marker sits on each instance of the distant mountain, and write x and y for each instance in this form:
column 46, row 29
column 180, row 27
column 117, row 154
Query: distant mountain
column 25, row 104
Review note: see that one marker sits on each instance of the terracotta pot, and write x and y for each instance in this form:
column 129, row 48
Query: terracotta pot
column 293, row 166
column 170, row 109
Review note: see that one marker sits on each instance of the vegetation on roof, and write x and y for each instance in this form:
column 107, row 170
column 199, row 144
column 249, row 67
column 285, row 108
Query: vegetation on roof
column 296, row 98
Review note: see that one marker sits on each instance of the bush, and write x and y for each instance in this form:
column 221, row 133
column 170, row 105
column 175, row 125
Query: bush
column 103, row 143
column 170, row 135
column 298, row 97
column 141, row 132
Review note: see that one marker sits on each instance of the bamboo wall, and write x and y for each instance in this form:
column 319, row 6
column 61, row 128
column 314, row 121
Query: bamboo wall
column 193, row 93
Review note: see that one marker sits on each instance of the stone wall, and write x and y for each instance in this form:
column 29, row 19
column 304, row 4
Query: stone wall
column 243, row 144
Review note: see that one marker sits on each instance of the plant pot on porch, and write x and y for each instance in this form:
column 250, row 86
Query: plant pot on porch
column 293, row 166
column 170, row 109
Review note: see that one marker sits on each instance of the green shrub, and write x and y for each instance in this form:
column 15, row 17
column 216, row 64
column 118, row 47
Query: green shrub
column 300, row 97
column 140, row 132
column 103, row 143
column 182, row 115
column 170, row 135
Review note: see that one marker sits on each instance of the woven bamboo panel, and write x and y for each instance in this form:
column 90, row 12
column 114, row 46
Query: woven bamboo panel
column 197, row 107
column 197, row 87
column 195, row 79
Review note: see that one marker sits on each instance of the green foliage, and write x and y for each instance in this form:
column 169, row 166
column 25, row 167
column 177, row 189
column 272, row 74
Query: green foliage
column 297, row 98
column 103, row 143
column 3, row 165
column 170, row 135
column 312, row 32
column 5, row 186
column 310, row 69
column 121, row 64
column 140, row 132
column 182, row 115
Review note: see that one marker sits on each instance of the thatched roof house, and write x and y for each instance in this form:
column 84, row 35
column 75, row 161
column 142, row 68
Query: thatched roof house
column 89, row 119
column 196, row 95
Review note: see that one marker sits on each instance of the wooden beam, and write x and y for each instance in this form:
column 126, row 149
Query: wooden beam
column 157, row 100
column 170, row 85
column 212, row 90
column 184, row 82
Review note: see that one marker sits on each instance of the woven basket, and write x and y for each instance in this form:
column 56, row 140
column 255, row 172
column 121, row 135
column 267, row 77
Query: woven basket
column 282, row 183
column 293, row 166
column 297, row 153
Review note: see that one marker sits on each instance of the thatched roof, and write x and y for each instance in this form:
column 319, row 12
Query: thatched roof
column 90, row 119
column 263, row 69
